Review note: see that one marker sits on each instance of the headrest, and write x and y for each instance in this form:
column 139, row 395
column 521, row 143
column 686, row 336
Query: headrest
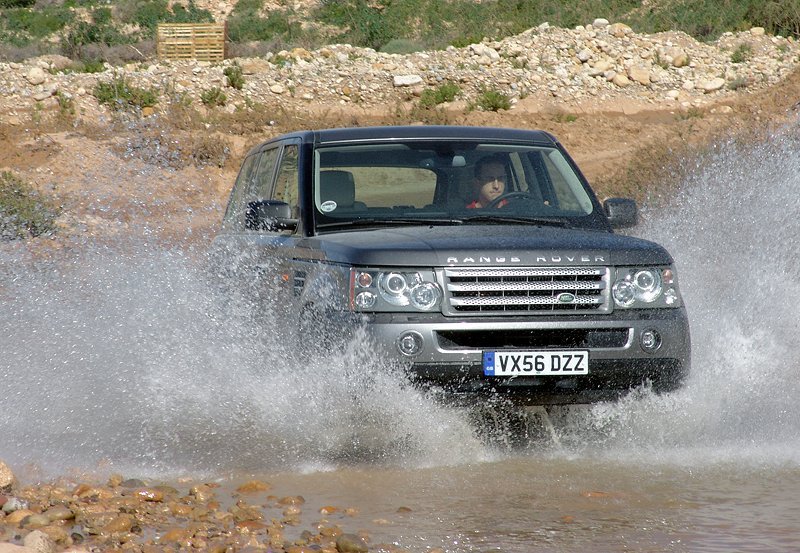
column 337, row 186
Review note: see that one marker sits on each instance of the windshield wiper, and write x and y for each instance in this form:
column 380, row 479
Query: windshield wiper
column 390, row 222
column 541, row 221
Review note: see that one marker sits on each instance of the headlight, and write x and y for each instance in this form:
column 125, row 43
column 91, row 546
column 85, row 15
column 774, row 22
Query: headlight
column 645, row 287
column 407, row 290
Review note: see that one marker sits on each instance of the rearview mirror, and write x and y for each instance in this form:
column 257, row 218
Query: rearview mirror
column 621, row 212
column 269, row 215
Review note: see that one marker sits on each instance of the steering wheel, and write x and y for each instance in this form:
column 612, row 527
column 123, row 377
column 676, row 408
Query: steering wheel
column 508, row 196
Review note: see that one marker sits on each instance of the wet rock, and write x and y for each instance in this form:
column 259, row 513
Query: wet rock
column 122, row 523
column 59, row 512
column 243, row 512
column 150, row 494
column 291, row 500
column 131, row 483
column 39, row 542
column 351, row 543
column 14, row 504
column 35, row 521
column 253, row 486
column 6, row 478
column 176, row 536
column 16, row 518
column 202, row 493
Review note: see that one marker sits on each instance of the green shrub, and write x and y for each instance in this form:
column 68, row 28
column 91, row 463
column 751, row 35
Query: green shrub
column 432, row 97
column 235, row 76
column 23, row 212
column 16, row 4
column 493, row 100
column 213, row 97
column 245, row 26
column 37, row 23
column 742, row 53
column 119, row 95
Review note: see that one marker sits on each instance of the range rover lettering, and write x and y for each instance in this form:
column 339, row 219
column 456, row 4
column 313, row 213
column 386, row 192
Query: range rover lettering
column 478, row 259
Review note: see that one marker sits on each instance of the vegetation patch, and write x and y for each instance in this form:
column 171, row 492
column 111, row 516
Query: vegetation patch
column 234, row 76
column 493, row 100
column 120, row 95
column 432, row 97
column 213, row 97
column 23, row 211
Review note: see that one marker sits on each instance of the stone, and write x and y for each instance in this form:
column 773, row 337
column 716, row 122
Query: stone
column 757, row 31
column 122, row 523
column 253, row 486
column 621, row 80
column 713, row 85
column 7, row 479
column 36, row 76
column 600, row 23
column 351, row 543
column 639, row 74
column 39, row 542
column 406, row 80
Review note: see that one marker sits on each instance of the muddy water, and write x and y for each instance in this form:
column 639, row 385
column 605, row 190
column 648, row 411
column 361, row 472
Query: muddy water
column 124, row 359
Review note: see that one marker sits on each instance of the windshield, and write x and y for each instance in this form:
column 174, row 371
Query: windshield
column 446, row 182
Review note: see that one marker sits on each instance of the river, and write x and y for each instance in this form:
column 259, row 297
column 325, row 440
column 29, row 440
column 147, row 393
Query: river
column 119, row 358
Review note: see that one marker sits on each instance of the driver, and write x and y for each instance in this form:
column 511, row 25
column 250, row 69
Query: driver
column 490, row 181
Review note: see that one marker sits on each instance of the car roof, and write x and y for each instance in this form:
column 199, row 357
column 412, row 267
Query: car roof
column 417, row 132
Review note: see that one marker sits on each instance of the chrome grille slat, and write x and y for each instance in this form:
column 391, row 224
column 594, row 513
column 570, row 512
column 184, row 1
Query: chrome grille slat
column 524, row 286
column 504, row 290
column 518, row 300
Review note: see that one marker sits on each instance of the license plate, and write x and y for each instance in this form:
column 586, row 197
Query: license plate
column 535, row 363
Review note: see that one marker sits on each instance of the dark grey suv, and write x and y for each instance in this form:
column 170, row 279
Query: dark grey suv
column 478, row 258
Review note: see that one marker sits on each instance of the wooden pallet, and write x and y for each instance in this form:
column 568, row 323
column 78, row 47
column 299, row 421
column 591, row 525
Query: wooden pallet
column 191, row 41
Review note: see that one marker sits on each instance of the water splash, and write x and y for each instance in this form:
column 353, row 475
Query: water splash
column 732, row 229
column 123, row 357
column 127, row 356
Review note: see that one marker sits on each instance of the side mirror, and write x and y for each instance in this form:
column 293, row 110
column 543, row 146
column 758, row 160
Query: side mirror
column 621, row 212
column 269, row 215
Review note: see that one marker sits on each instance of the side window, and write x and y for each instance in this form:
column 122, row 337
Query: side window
column 262, row 180
column 258, row 186
column 233, row 213
column 287, row 183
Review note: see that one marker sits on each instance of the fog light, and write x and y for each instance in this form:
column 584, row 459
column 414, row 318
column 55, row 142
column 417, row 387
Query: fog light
column 365, row 300
column 650, row 340
column 410, row 343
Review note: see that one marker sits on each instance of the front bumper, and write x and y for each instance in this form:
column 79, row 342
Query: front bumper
column 451, row 356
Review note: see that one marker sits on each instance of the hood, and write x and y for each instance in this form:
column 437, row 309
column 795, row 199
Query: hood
column 495, row 245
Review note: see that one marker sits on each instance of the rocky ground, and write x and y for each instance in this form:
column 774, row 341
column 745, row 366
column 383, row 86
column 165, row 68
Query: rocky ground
column 617, row 100
column 132, row 515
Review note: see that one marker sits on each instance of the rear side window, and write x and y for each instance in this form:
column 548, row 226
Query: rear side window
column 287, row 183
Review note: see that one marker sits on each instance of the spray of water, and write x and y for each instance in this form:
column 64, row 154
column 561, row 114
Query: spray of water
column 129, row 357
column 732, row 228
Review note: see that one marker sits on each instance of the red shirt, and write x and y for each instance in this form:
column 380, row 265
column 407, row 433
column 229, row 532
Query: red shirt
column 474, row 205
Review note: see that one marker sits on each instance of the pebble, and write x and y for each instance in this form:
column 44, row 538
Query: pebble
column 351, row 543
column 6, row 477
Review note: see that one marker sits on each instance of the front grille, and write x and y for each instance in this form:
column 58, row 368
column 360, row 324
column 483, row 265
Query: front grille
column 527, row 290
